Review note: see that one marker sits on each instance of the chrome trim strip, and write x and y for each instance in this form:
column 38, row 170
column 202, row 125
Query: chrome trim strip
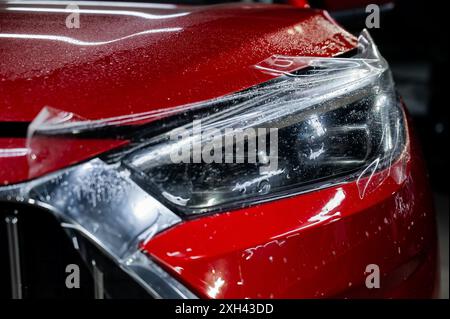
column 99, row 288
column 14, row 256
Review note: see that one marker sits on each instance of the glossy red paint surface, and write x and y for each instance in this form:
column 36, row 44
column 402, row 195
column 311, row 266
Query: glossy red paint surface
column 18, row 164
column 314, row 245
column 129, row 60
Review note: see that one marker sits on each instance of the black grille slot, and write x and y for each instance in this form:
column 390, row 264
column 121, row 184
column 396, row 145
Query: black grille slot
column 5, row 273
column 45, row 251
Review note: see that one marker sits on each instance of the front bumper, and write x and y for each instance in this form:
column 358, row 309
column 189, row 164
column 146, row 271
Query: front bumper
column 313, row 245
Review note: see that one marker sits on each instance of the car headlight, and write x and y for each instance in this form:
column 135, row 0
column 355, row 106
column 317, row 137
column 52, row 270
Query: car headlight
column 322, row 121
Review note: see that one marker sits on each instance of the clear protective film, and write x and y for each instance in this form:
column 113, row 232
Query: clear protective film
column 319, row 122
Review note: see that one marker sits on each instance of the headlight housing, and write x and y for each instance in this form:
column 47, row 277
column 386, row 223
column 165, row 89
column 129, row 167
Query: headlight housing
column 322, row 121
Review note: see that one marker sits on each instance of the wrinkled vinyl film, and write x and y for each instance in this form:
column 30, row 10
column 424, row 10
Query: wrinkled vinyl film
column 333, row 120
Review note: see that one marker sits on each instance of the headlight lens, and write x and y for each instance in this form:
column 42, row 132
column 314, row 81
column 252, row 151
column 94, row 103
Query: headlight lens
column 315, row 127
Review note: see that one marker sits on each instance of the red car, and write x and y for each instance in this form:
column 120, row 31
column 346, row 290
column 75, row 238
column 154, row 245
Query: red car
column 225, row 151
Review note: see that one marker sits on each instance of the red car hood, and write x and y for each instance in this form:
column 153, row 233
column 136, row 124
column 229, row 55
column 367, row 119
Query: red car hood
column 132, row 58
